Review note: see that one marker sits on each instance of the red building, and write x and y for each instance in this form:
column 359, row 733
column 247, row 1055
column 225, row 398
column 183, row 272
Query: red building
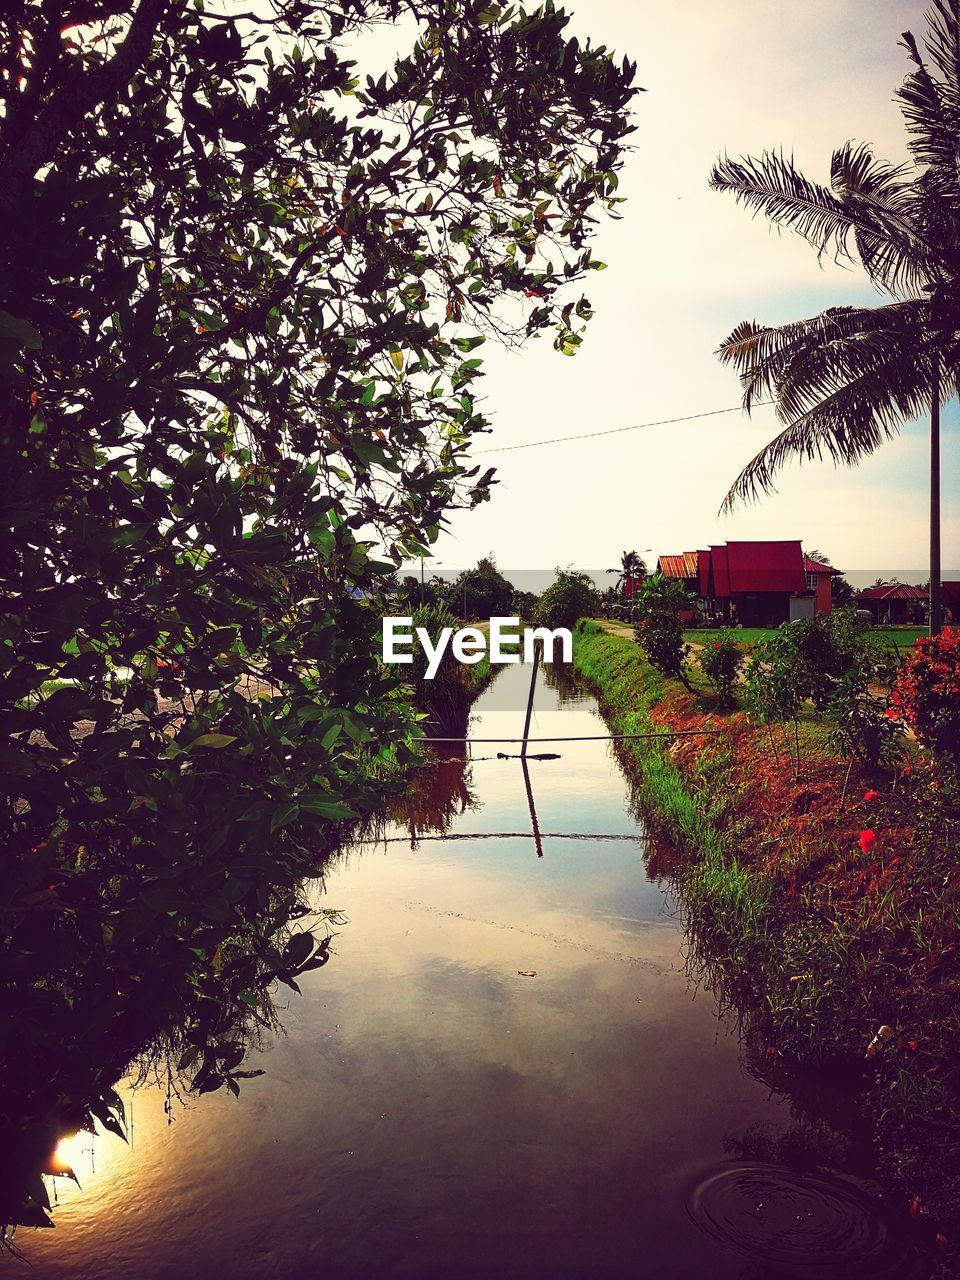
column 819, row 578
column 760, row 584
column 894, row 602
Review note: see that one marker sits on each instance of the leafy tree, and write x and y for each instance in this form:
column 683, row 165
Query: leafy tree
column 523, row 604
column 480, row 593
column 841, row 592
column 242, row 288
column 845, row 380
column 569, row 597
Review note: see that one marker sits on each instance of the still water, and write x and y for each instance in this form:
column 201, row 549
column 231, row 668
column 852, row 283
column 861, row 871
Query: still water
column 505, row 1070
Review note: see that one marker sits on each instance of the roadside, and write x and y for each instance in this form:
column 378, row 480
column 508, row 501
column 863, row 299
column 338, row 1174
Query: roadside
column 822, row 906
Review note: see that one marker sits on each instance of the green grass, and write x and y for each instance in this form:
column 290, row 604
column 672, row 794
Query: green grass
column 716, row 888
column 902, row 637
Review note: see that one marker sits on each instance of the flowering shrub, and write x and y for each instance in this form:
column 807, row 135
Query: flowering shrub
column 927, row 693
column 721, row 662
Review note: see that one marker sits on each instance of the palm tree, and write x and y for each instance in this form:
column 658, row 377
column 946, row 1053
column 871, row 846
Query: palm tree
column 845, row 381
column 631, row 566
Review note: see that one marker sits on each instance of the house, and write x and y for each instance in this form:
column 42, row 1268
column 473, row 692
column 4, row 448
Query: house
column 684, row 568
column 894, row 602
column 819, row 578
column 761, row 584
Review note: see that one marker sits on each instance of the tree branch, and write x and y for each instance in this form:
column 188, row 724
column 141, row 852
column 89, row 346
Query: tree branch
column 38, row 145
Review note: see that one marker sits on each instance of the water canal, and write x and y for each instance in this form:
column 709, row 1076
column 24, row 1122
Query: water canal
column 505, row 1070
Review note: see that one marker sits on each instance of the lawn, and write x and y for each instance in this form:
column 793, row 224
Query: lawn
column 902, row 637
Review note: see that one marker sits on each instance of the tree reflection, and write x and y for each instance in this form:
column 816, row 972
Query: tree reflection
column 436, row 794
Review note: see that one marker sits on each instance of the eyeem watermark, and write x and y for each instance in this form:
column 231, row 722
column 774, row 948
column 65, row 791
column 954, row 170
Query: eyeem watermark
column 468, row 644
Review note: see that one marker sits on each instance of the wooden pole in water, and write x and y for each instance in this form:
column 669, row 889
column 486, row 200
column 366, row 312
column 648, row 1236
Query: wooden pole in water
column 533, row 685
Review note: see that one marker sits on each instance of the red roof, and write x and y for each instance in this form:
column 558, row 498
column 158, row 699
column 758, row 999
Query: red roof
column 893, row 591
column 816, row 566
column 742, row 568
column 684, row 566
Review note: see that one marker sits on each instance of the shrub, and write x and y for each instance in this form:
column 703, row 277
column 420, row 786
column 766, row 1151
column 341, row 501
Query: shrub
column 659, row 629
column 721, row 662
column 927, row 692
column 861, row 725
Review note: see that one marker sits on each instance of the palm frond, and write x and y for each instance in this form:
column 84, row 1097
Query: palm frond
column 943, row 45
column 931, row 108
column 762, row 353
column 891, row 246
column 771, row 184
column 846, row 400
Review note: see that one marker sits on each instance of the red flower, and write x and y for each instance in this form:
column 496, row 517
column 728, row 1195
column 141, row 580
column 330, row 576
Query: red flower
column 870, row 795
column 891, row 713
column 532, row 293
column 906, row 770
column 868, row 839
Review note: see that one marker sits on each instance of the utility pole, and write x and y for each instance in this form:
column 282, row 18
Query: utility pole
column 936, row 615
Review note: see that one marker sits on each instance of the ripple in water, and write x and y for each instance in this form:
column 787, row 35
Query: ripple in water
column 805, row 1225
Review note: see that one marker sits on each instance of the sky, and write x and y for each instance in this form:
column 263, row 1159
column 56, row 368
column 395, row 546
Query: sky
column 685, row 265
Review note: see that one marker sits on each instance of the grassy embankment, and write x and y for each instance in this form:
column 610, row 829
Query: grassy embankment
column 816, row 942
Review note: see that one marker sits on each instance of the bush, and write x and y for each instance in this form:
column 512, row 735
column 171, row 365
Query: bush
column 861, row 725
column 927, row 692
column 721, row 662
column 659, row 629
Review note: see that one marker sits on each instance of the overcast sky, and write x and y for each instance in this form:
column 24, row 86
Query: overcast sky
column 685, row 266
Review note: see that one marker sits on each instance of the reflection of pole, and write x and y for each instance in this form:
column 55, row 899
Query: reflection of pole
column 533, row 808
column 533, row 685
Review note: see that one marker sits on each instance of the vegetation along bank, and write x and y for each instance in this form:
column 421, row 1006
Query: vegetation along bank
column 815, row 860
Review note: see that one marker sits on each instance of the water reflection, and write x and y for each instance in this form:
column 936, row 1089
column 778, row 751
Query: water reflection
column 433, row 1111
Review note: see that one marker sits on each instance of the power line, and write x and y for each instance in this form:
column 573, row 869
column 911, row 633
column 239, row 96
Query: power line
column 615, row 431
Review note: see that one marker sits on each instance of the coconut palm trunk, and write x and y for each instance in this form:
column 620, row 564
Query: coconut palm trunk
column 936, row 612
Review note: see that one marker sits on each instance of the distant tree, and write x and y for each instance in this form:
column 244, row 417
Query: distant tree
column 841, row 592
column 845, row 381
column 631, row 565
column 480, row 593
column 524, row 604
column 570, row 597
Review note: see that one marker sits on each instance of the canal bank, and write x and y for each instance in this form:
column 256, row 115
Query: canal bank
column 820, row 916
